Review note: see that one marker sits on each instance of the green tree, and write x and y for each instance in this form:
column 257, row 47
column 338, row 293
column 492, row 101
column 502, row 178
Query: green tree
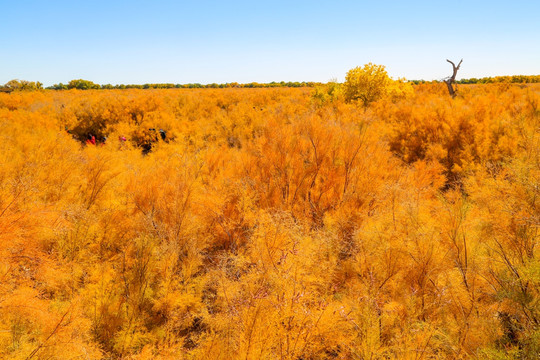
column 15, row 85
column 82, row 84
column 59, row 86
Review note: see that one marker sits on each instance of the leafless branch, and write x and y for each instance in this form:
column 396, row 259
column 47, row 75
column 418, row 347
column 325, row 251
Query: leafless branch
column 451, row 79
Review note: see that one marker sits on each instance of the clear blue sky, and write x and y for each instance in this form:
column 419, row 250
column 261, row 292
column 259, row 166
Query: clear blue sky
column 205, row 41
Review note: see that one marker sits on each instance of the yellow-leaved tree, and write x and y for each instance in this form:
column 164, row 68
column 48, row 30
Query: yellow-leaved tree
column 370, row 83
column 366, row 84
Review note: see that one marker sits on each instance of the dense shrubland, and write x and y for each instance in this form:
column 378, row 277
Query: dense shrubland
column 271, row 224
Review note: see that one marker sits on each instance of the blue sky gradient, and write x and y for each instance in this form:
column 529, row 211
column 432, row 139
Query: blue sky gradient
column 137, row 42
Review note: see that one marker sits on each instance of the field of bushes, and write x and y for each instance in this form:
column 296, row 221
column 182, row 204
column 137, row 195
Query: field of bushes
column 270, row 223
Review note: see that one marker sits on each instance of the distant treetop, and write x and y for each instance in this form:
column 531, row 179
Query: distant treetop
column 20, row 85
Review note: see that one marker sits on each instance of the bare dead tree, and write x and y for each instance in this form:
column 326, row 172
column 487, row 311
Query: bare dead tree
column 451, row 79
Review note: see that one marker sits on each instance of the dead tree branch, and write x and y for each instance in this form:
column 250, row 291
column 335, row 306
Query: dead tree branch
column 450, row 80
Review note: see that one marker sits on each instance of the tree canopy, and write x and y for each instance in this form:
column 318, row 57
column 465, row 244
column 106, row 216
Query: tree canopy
column 82, row 84
column 20, row 85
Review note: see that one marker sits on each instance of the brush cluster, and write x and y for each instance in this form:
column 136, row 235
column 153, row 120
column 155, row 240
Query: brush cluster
column 270, row 224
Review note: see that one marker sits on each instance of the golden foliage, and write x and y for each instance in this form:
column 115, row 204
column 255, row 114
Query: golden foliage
column 270, row 224
column 370, row 83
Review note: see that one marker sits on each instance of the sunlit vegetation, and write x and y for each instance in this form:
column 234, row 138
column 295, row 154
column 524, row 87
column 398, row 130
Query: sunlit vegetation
column 21, row 85
column 86, row 85
column 279, row 223
column 515, row 79
column 80, row 84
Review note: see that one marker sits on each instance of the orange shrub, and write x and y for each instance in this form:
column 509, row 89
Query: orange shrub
column 269, row 223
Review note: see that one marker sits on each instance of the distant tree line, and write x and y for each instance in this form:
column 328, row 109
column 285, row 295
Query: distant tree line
column 86, row 85
column 24, row 85
column 513, row 79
